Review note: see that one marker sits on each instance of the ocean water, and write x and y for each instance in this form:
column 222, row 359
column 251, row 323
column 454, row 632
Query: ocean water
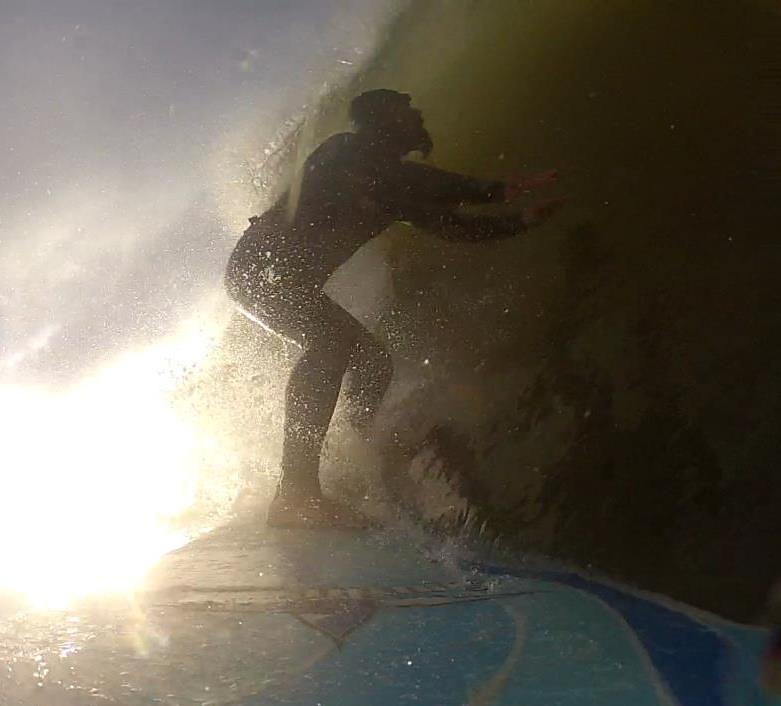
column 604, row 391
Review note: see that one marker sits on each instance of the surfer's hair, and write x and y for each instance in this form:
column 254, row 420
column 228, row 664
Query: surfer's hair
column 370, row 108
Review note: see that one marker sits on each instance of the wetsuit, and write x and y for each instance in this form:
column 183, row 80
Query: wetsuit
column 350, row 192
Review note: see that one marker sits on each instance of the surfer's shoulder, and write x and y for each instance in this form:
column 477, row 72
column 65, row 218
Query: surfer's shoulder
column 340, row 141
column 335, row 148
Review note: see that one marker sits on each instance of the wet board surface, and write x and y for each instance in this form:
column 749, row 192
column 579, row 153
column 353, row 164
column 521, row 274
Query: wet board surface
column 380, row 617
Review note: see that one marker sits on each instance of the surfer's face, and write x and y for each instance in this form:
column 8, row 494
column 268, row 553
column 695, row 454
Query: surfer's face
column 401, row 127
column 411, row 131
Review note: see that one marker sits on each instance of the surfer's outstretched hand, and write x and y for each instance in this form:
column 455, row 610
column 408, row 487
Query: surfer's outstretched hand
column 541, row 211
column 516, row 186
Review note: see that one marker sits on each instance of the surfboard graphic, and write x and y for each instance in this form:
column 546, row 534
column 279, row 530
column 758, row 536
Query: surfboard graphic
column 373, row 618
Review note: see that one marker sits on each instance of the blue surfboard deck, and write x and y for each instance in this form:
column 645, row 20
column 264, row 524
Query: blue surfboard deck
column 382, row 617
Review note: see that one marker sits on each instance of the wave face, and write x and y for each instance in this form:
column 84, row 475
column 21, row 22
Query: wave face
column 605, row 388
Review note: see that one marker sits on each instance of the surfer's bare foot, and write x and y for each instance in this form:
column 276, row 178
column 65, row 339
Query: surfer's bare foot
column 314, row 512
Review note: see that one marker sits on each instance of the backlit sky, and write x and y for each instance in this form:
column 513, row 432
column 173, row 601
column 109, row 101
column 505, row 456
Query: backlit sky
column 113, row 115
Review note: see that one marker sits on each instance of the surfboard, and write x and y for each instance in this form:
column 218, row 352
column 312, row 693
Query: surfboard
column 388, row 617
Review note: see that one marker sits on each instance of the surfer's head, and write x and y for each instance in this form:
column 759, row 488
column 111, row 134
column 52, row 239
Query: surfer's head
column 388, row 117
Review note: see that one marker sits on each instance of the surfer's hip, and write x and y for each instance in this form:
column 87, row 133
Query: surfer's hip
column 286, row 305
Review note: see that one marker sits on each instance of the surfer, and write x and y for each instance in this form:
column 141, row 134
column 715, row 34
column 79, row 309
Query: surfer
column 353, row 187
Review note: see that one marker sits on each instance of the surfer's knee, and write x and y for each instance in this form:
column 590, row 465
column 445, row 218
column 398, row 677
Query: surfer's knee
column 382, row 366
column 330, row 353
column 369, row 353
column 370, row 375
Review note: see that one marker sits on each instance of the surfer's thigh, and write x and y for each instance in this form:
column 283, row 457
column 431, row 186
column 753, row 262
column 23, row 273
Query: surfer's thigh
column 272, row 320
column 310, row 320
column 326, row 327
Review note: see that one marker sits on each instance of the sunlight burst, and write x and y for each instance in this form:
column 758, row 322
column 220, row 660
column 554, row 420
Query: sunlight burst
column 94, row 476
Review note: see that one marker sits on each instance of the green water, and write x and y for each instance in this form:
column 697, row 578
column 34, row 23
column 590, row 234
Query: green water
column 615, row 374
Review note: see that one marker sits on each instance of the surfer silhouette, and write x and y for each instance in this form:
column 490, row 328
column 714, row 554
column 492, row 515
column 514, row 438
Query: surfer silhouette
column 353, row 187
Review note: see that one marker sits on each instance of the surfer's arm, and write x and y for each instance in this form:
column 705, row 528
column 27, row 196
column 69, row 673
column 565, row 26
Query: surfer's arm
column 470, row 228
column 453, row 225
column 427, row 183
column 424, row 183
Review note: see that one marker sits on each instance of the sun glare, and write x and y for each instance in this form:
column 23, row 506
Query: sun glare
column 94, row 476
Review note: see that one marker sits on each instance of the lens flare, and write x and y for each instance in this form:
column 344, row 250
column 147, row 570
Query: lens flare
column 94, row 476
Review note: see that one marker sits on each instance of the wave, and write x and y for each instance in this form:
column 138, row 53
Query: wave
column 597, row 388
